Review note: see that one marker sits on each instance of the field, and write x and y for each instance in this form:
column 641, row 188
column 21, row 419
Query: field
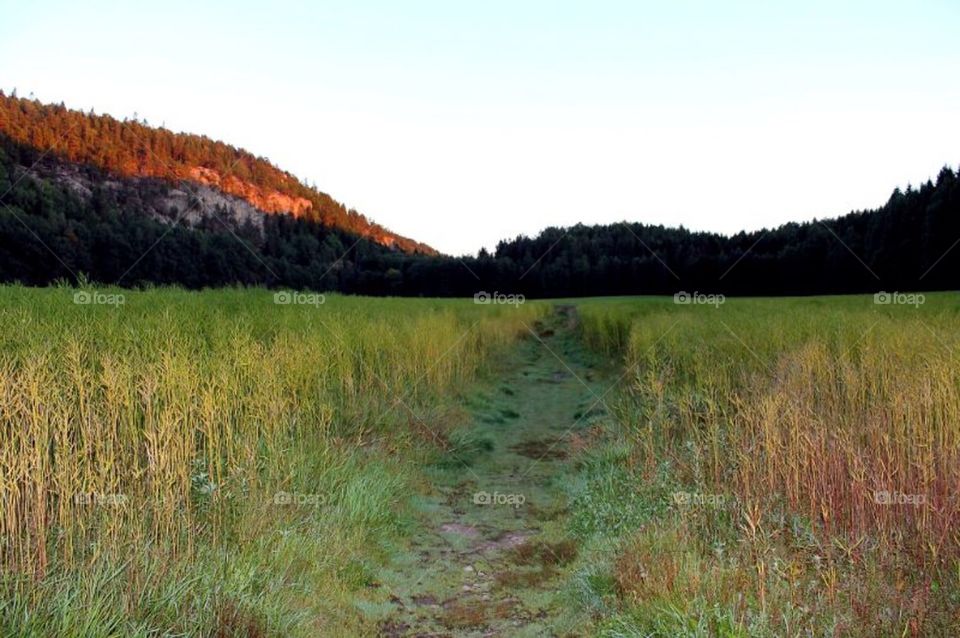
column 236, row 463
column 216, row 463
column 799, row 462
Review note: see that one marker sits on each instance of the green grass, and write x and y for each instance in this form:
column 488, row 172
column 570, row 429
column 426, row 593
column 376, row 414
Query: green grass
column 215, row 463
column 276, row 461
column 779, row 419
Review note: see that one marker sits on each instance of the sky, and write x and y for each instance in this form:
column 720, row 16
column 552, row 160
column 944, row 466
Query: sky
column 463, row 123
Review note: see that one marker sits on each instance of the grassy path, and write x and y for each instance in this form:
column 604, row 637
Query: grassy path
column 490, row 550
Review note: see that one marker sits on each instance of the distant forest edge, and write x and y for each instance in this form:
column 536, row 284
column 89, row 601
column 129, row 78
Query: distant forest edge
column 80, row 196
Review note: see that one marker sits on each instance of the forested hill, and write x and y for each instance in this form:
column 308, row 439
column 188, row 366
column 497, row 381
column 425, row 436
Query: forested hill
column 103, row 207
column 133, row 149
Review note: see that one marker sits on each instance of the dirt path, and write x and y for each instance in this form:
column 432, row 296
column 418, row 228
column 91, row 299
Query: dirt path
column 491, row 549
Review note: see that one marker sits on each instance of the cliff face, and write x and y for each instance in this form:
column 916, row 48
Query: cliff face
column 134, row 149
column 188, row 202
column 269, row 201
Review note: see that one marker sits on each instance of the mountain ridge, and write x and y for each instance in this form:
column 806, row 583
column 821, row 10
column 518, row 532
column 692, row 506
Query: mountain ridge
column 131, row 148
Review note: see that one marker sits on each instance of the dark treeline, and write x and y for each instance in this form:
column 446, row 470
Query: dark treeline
column 48, row 232
column 909, row 243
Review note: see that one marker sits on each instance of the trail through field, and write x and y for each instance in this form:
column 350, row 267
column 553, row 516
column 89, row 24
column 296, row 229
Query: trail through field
column 491, row 551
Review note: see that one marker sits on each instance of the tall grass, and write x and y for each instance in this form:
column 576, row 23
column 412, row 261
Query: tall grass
column 180, row 429
column 832, row 428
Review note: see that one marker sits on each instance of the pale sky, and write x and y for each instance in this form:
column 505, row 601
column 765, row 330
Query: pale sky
column 459, row 124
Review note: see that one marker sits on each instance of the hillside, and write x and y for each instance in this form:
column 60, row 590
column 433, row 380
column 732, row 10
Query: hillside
column 134, row 149
column 88, row 197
